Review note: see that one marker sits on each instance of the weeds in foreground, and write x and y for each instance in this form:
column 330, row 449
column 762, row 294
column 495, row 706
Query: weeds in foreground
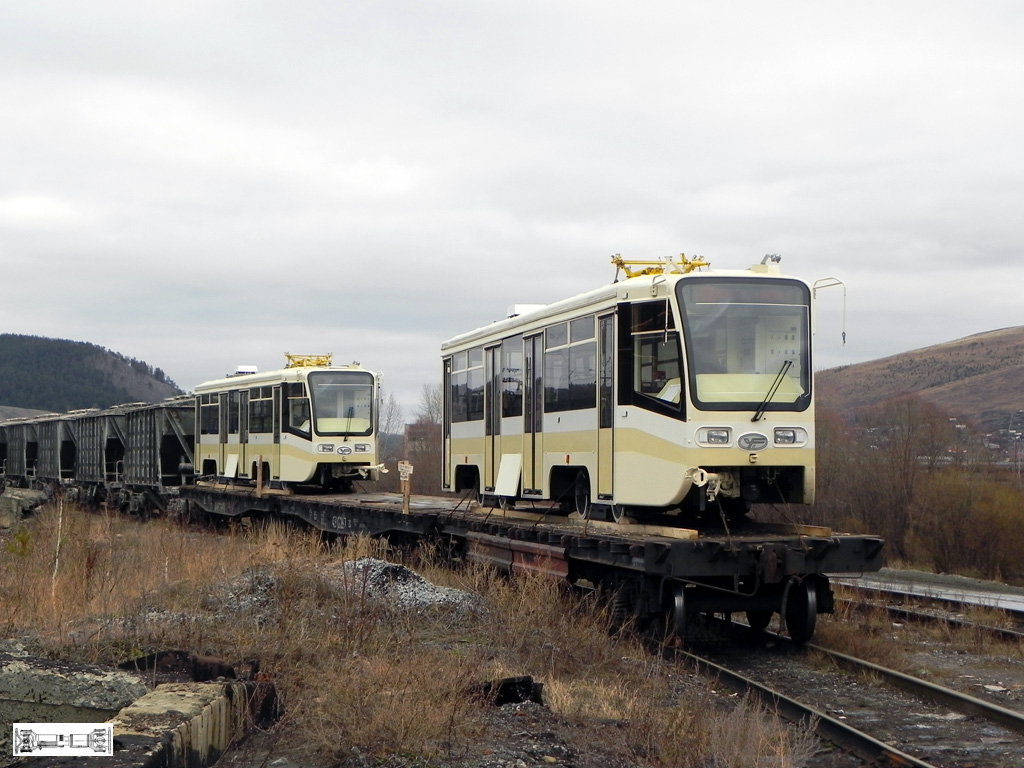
column 355, row 674
column 871, row 633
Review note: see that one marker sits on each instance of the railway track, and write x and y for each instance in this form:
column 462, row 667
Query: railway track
column 1001, row 619
column 870, row 714
column 941, row 591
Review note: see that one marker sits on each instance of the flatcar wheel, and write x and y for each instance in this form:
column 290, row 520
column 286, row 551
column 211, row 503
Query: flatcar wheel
column 678, row 614
column 801, row 607
column 759, row 620
column 581, row 491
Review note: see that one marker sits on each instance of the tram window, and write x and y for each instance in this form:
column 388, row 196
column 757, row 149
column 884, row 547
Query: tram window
column 605, row 388
column 583, row 375
column 475, row 394
column 208, row 415
column 261, row 410
column 581, row 329
column 556, row 380
column 512, row 377
column 656, row 354
column 570, row 371
column 223, row 425
column 233, row 408
column 556, row 336
column 460, row 410
column 296, row 415
column 467, row 385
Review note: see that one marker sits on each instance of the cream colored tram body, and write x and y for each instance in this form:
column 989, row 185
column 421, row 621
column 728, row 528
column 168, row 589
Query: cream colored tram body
column 679, row 388
column 310, row 423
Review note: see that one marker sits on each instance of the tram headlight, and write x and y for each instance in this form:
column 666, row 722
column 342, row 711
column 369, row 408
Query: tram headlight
column 789, row 436
column 714, row 436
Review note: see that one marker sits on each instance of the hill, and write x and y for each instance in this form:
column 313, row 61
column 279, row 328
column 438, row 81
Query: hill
column 979, row 378
column 59, row 375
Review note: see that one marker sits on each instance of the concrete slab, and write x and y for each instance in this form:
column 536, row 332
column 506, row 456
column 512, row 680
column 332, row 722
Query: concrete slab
column 181, row 725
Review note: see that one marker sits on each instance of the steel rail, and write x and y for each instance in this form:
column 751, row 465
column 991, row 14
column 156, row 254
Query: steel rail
column 962, row 702
column 905, row 593
column 1012, row 635
column 827, row 728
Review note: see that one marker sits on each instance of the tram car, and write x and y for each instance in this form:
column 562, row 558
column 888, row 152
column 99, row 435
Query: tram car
column 310, row 423
column 679, row 389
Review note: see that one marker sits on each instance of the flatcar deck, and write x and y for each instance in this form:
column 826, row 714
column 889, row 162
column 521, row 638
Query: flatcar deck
column 567, row 546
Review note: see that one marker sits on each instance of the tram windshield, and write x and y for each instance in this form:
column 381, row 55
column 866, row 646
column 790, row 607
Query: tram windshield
column 747, row 343
column 342, row 402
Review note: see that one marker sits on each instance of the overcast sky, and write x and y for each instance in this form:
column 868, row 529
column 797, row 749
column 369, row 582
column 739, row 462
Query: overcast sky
column 204, row 184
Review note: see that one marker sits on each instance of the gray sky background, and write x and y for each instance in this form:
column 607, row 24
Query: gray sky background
column 203, row 184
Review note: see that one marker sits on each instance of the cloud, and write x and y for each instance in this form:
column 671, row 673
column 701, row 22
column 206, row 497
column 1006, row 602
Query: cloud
column 200, row 185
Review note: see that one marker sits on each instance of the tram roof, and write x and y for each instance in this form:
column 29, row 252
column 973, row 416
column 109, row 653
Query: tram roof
column 261, row 378
column 613, row 291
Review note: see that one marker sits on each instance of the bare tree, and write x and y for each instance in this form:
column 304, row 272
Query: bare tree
column 431, row 405
column 392, row 419
column 390, row 436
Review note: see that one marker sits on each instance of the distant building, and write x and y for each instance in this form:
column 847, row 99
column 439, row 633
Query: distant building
column 421, row 438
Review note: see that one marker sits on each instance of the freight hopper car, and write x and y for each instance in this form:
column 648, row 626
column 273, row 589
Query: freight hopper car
column 133, row 456
column 679, row 390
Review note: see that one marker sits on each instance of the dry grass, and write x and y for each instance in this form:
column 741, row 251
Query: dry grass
column 872, row 634
column 353, row 673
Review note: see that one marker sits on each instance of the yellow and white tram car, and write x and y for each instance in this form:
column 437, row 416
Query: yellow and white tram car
column 310, row 423
column 677, row 388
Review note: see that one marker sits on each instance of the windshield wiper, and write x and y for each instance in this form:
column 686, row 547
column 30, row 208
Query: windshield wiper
column 772, row 390
column 348, row 424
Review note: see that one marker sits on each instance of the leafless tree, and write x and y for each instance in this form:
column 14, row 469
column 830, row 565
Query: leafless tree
column 392, row 419
column 431, row 405
column 391, row 429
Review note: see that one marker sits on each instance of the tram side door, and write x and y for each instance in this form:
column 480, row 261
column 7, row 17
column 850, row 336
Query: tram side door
column 446, row 420
column 492, row 416
column 533, row 399
column 606, row 405
column 244, row 460
column 275, row 451
column 222, row 434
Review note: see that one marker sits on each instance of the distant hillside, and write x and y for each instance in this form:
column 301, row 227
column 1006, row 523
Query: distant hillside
column 979, row 378
column 58, row 375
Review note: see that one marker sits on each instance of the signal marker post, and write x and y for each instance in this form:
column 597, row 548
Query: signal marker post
column 404, row 474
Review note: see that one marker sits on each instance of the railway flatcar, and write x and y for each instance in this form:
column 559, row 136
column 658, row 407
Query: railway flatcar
column 309, row 423
column 679, row 389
